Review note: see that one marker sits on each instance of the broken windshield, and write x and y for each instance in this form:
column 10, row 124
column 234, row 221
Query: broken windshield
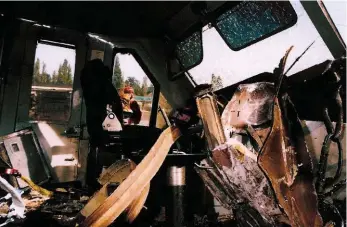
column 250, row 22
column 228, row 67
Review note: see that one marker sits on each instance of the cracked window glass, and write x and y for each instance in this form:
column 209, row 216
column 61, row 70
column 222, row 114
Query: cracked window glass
column 189, row 51
column 250, row 21
column 223, row 67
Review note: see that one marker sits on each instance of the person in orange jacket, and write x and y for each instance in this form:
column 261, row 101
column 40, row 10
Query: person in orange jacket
column 130, row 105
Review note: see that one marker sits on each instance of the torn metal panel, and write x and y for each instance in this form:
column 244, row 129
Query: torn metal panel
column 286, row 161
column 25, row 155
column 213, row 180
column 251, row 105
column 248, row 182
column 236, row 179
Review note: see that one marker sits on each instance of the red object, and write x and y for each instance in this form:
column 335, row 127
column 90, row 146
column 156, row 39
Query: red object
column 128, row 90
column 14, row 172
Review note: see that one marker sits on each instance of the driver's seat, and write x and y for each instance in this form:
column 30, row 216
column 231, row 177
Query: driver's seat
column 98, row 92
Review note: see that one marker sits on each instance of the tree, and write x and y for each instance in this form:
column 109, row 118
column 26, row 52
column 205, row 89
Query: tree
column 217, row 82
column 135, row 84
column 36, row 73
column 64, row 76
column 54, row 77
column 44, row 76
column 144, row 86
column 117, row 77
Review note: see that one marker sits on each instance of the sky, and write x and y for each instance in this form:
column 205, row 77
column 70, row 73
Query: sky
column 234, row 66
column 53, row 56
column 130, row 67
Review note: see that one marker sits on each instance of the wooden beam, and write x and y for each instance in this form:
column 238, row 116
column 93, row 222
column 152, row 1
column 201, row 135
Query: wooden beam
column 135, row 183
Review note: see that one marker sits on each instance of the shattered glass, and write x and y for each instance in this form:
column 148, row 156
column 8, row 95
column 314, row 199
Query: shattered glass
column 250, row 21
column 189, row 51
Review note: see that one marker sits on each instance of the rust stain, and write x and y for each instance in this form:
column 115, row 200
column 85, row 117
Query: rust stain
column 280, row 157
column 222, row 157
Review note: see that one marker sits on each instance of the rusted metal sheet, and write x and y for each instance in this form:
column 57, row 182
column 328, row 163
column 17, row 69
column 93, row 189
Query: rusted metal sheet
column 235, row 177
column 251, row 104
column 286, row 161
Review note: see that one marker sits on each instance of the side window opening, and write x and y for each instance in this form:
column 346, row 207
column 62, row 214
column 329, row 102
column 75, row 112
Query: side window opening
column 52, row 81
column 127, row 73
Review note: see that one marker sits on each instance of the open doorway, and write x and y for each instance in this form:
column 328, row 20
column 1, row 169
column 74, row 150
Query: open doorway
column 127, row 73
column 52, row 82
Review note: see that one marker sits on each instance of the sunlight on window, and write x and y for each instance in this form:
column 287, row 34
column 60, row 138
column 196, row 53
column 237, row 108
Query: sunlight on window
column 52, row 82
column 230, row 67
column 54, row 65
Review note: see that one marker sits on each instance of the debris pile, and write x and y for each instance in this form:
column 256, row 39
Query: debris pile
column 61, row 208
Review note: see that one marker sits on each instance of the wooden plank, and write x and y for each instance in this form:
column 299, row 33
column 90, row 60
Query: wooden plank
column 132, row 187
column 115, row 173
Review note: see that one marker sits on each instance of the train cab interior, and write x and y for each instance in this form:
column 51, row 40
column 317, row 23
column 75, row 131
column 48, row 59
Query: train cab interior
column 173, row 113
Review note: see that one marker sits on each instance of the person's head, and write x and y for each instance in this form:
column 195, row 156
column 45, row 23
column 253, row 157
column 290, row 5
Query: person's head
column 129, row 90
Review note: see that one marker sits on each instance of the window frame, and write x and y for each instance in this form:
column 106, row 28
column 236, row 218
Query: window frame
column 155, row 83
column 56, row 42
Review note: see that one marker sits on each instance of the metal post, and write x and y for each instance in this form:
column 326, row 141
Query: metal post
column 175, row 206
column 325, row 27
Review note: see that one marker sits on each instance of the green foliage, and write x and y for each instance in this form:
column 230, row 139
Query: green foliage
column 63, row 77
column 44, row 76
column 117, row 77
column 64, row 74
column 135, row 84
column 217, row 82
column 36, row 76
column 54, row 77
column 139, row 89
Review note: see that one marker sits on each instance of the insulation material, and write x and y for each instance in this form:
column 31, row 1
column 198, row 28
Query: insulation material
column 248, row 181
column 251, row 104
